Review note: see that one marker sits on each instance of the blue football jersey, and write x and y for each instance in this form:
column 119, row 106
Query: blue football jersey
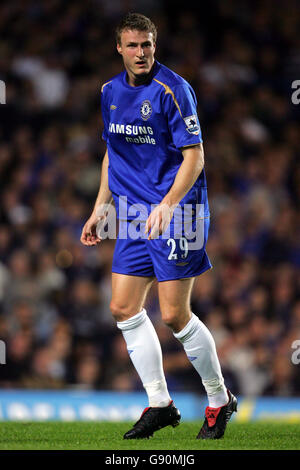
column 145, row 128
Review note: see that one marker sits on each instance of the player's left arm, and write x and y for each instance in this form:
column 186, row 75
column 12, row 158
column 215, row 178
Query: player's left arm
column 189, row 171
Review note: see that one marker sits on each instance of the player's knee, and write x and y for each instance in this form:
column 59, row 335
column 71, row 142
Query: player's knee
column 120, row 312
column 176, row 320
column 171, row 320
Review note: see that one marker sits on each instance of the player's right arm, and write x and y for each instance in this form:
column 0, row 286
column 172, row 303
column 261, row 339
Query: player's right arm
column 89, row 236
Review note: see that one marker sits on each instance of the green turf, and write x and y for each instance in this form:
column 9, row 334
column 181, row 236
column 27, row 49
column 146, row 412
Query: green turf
column 108, row 436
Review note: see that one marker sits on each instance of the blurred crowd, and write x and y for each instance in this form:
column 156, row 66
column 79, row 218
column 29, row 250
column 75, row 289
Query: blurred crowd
column 241, row 58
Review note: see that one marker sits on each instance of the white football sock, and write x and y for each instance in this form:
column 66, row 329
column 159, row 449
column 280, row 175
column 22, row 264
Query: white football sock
column 200, row 348
column 145, row 352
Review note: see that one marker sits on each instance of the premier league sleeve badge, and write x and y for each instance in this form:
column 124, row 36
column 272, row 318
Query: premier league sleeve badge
column 192, row 125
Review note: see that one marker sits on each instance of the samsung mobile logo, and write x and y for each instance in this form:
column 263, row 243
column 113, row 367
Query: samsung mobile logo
column 129, row 129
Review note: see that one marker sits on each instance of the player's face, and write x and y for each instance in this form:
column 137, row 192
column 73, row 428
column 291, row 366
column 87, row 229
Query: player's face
column 137, row 49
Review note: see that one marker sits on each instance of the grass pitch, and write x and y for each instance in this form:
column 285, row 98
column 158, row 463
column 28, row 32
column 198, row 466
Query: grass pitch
column 109, row 436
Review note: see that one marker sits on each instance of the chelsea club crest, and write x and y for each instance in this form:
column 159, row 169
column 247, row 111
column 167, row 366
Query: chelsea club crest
column 146, row 110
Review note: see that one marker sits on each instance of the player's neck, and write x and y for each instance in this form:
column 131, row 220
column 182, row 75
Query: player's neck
column 138, row 80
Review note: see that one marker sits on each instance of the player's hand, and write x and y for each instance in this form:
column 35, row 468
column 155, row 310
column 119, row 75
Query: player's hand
column 159, row 220
column 89, row 235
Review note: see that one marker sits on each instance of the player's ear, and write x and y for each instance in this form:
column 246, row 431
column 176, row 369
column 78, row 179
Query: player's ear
column 119, row 48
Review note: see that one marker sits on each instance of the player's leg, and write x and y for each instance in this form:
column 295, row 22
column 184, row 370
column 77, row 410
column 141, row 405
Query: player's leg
column 127, row 306
column 128, row 297
column 132, row 277
column 199, row 345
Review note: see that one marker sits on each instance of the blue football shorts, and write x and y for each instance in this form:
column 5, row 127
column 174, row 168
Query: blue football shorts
column 178, row 253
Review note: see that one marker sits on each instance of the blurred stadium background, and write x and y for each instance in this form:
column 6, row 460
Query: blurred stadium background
column 65, row 359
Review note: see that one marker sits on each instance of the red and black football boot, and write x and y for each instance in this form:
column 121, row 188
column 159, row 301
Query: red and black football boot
column 153, row 419
column 216, row 419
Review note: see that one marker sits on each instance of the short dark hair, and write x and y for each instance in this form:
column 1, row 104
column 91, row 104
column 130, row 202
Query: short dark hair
column 135, row 21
